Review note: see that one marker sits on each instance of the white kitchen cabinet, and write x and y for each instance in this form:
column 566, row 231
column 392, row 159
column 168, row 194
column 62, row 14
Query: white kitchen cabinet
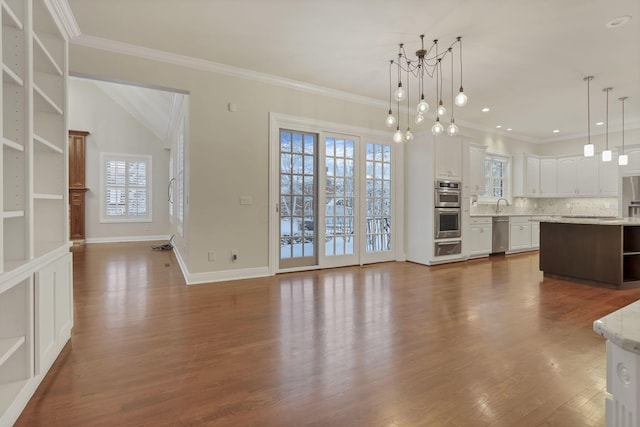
column 608, row 178
column 548, row 178
column 587, row 178
column 532, row 174
column 35, row 319
column 448, row 158
column 535, row 234
column 476, row 169
column 567, row 175
column 519, row 233
column 577, row 176
column 480, row 236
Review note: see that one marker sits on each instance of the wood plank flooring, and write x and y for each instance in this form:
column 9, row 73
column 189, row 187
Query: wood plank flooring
column 482, row 343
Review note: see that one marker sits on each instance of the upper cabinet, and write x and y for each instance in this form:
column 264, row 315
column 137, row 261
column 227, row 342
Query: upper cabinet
column 476, row 169
column 532, row 173
column 448, row 158
column 566, row 176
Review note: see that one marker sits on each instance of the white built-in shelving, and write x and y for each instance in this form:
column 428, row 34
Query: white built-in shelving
column 35, row 265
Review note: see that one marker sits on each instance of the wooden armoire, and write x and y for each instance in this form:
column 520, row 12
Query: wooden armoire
column 77, row 185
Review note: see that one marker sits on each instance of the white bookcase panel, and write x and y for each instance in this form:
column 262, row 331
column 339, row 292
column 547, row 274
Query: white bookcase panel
column 13, row 13
column 13, row 180
column 35, row 321
column 14, row 245
column 49, row 223
column 50, row 168
column 49, row 129
column 14, row 117
column 13, row 52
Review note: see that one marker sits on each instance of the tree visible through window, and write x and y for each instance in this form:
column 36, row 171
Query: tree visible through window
column 126, row 188
column 496, row 172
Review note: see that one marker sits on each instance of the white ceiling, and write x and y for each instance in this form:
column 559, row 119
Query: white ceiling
column 524, row 59
column 156, row 110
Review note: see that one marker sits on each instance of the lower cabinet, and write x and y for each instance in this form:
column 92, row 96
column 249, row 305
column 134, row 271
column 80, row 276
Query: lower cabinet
column 480, row 237
column 53, row 311
column 535, row 234
column 524, row 234
column 36, row 316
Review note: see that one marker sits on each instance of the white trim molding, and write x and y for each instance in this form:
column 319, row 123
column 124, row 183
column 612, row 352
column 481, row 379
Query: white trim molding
column 125, row 239
column 223, row 276
column 65, row 16
column 216, row 67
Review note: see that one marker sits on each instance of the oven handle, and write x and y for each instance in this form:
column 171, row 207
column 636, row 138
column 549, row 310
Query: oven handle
column 447, row 210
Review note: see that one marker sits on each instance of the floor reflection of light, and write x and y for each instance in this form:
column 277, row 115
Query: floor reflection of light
column 333, row 326
column 124, row 300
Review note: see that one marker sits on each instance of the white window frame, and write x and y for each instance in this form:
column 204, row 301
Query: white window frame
column 180, row 178
column 483, row 198
column 104, row 157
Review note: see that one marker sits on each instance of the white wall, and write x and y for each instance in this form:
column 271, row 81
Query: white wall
column 114, row 130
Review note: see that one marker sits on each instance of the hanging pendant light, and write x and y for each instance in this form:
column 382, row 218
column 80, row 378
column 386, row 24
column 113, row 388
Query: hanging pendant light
column 623, row 159
column 391, row 119
column 461, row 98
column 429, row 63
column 606, row 154
column 589, row 150
column 452, row 129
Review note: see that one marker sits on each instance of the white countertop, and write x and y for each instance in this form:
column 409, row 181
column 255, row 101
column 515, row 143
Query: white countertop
column 622, row 327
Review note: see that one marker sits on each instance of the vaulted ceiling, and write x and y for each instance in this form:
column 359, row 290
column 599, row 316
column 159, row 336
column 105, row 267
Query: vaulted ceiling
column 523, row 59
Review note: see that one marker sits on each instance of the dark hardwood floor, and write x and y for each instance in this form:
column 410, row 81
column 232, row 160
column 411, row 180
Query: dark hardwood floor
column 482, row 343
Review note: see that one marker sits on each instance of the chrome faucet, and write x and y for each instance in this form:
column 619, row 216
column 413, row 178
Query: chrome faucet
column 498, row 204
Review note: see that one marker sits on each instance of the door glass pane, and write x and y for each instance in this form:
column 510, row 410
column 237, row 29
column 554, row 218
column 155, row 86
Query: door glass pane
column 339, row 196
column 297, row 199
column 378, row 197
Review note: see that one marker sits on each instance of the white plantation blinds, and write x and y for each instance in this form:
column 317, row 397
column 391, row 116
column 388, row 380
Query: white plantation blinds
column 126, row 188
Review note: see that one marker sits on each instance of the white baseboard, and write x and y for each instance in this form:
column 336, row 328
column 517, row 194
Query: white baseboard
column 221, row 276
column 218, row 276
column 123, row 239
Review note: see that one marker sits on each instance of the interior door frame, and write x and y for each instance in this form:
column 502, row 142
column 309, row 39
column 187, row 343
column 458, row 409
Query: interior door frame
column 279, row 121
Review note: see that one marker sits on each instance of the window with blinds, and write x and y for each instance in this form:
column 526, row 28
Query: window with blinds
column 126, row 188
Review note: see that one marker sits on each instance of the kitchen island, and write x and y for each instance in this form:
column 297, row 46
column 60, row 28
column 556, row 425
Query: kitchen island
column 591, row 250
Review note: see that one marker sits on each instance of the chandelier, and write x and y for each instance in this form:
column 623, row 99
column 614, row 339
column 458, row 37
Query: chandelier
column 426, row 62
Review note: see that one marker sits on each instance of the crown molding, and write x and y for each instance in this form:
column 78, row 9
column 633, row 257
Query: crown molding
column 218, row 68
column 65, row 16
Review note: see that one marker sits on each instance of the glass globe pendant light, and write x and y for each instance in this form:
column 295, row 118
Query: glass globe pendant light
column 419, row 119
column 623, row 159
column 437, row 128
column 423, row 106
column 461, row 98
column 452, row 129
column 606, row 154
column 589, row 150
column 400, row 93
column 398, row 136
column 391, row 119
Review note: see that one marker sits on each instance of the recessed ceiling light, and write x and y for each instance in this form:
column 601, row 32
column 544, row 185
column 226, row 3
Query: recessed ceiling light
column 509, row 129
column 599, row 123
column 486, row 109
column 499, row 127
column 556, row 130
column 619, row 21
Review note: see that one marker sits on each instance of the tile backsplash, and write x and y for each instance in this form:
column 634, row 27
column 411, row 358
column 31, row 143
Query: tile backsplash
column 603, row 206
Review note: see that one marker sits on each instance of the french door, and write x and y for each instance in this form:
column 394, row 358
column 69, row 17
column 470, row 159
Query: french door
column 334, row 200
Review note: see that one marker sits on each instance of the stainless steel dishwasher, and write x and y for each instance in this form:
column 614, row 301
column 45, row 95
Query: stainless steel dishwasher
column 500, row 234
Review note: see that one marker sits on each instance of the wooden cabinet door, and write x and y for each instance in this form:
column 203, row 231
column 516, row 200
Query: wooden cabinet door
column 77, row 185
column 448, row 158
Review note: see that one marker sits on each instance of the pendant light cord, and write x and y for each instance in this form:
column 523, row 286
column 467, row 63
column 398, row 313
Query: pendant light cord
column 588, row 110
column 450, row 52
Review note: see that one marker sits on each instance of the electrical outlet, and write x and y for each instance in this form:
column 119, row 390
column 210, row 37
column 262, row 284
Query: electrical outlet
column 212, row 256
column 234, row 255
